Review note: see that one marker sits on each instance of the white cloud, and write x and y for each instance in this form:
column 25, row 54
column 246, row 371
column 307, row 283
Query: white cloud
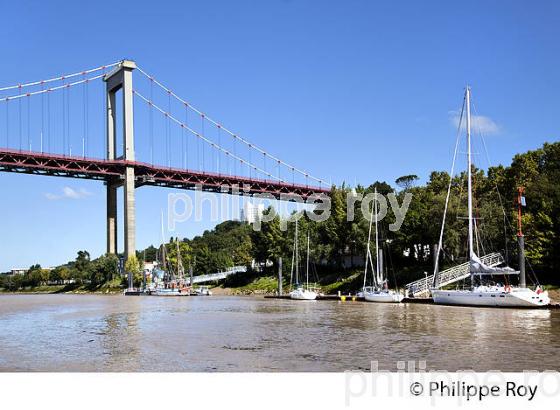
column 479, row 123
column 68, row 193
column 51, row 197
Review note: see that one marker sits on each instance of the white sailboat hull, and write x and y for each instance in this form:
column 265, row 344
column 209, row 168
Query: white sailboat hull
column 303, row 294
column 383, row 297
column 169, row 292
column 492, row 297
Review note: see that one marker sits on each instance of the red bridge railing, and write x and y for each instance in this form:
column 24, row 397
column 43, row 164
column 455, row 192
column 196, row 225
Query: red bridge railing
column 146, row 174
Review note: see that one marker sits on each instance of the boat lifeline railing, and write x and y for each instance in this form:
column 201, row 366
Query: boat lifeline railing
column 421, row 287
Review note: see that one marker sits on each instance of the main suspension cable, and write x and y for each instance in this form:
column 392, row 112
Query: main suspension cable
column 202, row 137
column 232, row 134
column 61, row 78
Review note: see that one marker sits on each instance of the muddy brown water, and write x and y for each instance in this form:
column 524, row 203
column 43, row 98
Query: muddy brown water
column 228, row 333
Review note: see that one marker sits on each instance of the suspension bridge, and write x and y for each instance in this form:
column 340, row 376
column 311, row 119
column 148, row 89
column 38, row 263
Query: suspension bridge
column 87, row 125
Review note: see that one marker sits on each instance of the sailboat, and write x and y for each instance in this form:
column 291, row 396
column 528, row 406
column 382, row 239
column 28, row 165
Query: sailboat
column 172, row 285
column 496, row 295
column 301, row 292
column 380, row 292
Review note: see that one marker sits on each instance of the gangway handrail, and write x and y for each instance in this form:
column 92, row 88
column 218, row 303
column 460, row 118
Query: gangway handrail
column 209, row 277
column 451, row 275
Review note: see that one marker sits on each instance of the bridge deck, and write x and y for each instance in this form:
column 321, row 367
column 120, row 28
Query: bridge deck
column 146, row 174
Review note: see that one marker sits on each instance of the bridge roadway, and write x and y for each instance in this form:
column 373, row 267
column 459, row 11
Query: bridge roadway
column 113, row 171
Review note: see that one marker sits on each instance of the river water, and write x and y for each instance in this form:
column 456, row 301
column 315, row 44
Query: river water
column 221, row 333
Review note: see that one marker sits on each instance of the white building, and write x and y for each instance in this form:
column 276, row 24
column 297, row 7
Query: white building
column 23, row 271
column 251, row 212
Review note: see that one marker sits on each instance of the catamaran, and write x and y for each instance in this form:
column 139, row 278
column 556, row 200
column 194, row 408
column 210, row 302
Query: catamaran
column 380, row 292
column 301, row 292
column 481, row 293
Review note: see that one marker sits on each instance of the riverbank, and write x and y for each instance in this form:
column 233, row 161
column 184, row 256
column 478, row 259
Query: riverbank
column 266, row 285
column 112, row 287
column 269, row 286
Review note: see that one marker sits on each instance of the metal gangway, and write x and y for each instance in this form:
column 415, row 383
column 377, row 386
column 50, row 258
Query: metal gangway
column 421, row 287
column 212, row 277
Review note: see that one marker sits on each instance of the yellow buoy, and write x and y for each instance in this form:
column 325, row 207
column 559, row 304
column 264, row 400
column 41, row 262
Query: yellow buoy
column 343, row 298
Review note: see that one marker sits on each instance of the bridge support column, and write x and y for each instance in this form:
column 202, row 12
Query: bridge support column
column 111, row 185
column 112, row 218
column 129, row 214
column 121, row 79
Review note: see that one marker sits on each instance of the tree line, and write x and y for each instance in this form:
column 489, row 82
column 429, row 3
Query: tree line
column 338, row 245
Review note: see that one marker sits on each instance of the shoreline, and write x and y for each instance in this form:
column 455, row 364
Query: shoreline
column 217, row 291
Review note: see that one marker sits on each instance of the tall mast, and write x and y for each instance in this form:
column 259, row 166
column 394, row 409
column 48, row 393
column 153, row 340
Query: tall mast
column 296, row 250
column 163, row 253
column 377, row 243
column 368, row 252
column 521, row 239
column 469, row 173
column 307, row 263
column 179, row 261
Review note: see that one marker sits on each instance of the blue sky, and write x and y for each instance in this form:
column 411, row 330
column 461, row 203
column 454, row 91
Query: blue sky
column 353, row 91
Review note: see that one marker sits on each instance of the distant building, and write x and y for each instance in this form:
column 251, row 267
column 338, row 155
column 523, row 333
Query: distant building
column 23, row 271
column 251, row 212
column 18, row 271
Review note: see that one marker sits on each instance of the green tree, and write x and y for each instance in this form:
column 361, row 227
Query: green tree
column 407, row 181
column 103, row 269
column 132, row 267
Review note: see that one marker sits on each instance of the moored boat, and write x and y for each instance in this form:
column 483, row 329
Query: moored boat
column 301, row 292
column 481, row 292
column 383, row 296
column 379, row 292
column 492, row 296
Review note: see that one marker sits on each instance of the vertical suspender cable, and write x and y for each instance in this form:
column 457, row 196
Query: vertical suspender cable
column 87, row 116
column 235, row 153
column 19, row 105
column 203, row 164
column 250, row 170
column 104, row 119
column 28, row 122
column 48, row 121
column 64, row 120
column 212, row 157
column 183, row 147
column 218, row 153
column 151, row 120
column 69, row 137
column 198, row 153
column 84, row 119
column 42, row 116
column 168, row 130
column 187, row 137
column 7, row 125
